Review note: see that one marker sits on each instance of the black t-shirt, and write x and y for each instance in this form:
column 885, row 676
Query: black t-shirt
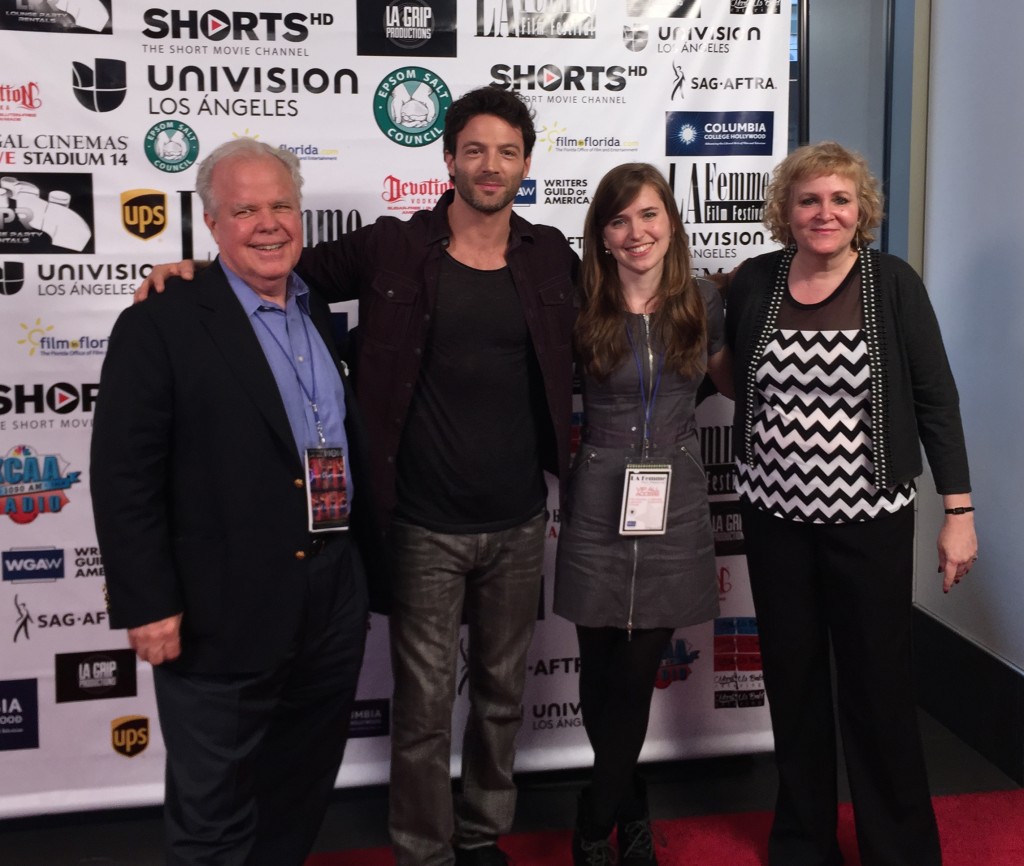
column 469, row 460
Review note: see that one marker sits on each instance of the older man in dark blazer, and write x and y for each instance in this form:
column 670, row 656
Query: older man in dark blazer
column 215, row 398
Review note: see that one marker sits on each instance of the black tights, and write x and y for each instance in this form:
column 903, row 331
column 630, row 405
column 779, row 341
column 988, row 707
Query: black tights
column 617, row 676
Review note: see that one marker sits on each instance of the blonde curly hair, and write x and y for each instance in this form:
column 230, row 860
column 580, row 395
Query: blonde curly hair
column 820, row 160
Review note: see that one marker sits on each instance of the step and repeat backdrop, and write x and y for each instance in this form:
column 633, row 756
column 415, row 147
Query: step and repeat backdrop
column 105, row 108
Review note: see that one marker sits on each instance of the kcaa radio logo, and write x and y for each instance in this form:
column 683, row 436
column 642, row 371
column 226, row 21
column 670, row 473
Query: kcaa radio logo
column 32, row 483
column 218, row 26
column 102, row 86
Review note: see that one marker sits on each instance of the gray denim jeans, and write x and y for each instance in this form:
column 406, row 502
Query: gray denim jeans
column 492, row 581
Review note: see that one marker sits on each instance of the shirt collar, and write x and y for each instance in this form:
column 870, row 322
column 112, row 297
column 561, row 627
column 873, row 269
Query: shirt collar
column 251, row 302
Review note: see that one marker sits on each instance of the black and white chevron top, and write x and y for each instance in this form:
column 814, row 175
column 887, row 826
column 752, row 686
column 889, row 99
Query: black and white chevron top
column 811, row 436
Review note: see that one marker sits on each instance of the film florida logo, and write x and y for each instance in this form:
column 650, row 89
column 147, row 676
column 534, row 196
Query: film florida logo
column 32, row 483
column 39, row 339
column 129, row 735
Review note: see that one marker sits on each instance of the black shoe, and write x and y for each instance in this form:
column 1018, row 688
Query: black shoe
column 485, row 855
column 597, row 852
column 636, row 843
column 590, row 844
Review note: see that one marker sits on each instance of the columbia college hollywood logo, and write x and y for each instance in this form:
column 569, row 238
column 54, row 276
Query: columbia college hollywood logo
column 409, row 106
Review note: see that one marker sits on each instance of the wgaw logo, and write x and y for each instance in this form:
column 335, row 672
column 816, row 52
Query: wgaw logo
column 102, row 86
column 144, row 212
column 129, row 735
column 171, row 146
column 409, row 106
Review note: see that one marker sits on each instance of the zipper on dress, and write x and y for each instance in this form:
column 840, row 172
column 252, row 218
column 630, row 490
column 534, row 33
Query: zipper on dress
column 632, row 589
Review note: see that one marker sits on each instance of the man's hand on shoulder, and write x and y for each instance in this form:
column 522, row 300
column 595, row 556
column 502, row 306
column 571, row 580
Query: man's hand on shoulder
column 160, row 274
column 157, row 642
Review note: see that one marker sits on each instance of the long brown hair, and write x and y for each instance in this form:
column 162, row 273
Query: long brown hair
column 679, row 322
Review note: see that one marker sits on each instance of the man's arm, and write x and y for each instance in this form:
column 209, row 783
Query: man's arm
column 130, row 465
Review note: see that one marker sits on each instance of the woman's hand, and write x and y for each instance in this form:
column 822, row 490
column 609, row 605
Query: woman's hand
column 958, row 544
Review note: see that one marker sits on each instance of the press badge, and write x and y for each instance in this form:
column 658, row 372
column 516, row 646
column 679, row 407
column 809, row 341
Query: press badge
column 327, row 498
column 645, row 499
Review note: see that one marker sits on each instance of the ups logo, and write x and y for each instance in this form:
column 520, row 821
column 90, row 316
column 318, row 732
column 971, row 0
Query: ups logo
column 129, row 735
column 144, row 212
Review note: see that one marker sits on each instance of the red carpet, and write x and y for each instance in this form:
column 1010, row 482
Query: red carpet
column 976, row 830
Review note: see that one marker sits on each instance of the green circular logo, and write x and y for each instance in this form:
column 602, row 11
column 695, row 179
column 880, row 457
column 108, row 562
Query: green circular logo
column 171, row 146
column 409, row 106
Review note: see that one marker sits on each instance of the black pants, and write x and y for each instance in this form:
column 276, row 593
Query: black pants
column 617, row 674
column 252, row 758
column 850, row 583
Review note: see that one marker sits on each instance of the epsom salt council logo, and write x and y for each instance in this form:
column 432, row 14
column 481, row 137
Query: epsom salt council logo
column 409, row 106
column 171, row 146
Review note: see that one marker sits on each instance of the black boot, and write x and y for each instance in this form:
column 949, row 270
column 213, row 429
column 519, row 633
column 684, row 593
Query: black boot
column 636, row 842
column 590, row 844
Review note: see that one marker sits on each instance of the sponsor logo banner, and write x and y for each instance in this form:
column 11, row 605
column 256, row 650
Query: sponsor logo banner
column 19, row 714
column 129, row 735
column 144, row 212
column 409, row 106
column 84, row 16
column 528, row 19
column 32, row 483
column 719, row 133
column 33, row 565
column 370, row 718
column 46, row 213
column 417, row 28
column 96, row 675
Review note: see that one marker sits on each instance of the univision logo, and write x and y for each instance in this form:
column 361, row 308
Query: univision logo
column 129, row 735
column 27, row 565
column 12, row 277
column 101, row 87
column 144, row 212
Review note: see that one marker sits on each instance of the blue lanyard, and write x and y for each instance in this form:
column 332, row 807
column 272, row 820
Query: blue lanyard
column 646, row 400
column 310, row 396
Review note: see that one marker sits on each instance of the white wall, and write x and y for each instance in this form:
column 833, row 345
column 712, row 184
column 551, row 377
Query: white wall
column 974, row 269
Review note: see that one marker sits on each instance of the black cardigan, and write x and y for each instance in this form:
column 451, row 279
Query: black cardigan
column 913, row 396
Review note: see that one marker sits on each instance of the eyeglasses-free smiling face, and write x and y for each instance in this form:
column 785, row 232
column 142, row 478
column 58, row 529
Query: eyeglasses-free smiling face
column 258, row 221
column 639, row 236
column 823, row 215
column 488, row 165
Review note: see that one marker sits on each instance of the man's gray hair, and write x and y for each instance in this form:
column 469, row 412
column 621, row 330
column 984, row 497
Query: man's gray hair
column 248, row 147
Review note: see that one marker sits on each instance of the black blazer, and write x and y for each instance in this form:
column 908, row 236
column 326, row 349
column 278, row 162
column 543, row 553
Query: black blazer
column 196, row 483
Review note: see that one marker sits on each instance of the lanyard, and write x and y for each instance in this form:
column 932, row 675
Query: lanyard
column 310, row 396
column 647, row 400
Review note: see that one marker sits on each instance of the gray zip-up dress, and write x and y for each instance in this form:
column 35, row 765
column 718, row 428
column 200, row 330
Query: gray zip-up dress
column 656, row 581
